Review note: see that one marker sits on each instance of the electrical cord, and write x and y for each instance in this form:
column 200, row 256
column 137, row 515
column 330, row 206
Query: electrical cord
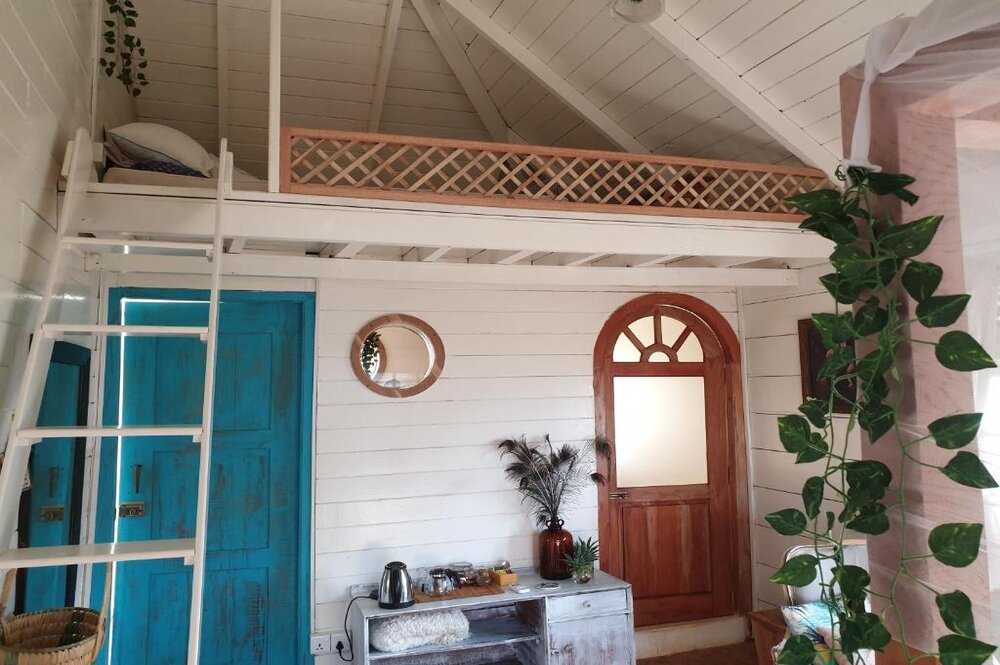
column 350, row 640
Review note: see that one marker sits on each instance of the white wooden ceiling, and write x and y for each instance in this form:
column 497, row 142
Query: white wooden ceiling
column 667, row 88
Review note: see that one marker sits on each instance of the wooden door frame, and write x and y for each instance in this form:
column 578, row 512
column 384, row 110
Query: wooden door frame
column 307, row 302
column 739, row 473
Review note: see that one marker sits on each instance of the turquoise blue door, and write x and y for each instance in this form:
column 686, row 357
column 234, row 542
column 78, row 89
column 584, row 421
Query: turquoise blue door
column 255, row 585
column 51, row 509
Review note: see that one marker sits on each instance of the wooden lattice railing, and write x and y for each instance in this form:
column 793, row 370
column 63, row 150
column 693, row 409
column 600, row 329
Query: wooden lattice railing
column 444, row 171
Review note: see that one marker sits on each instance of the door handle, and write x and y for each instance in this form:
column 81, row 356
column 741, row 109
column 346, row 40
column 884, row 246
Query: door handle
column 53, row 480
column 137, row 477
column 617, row 495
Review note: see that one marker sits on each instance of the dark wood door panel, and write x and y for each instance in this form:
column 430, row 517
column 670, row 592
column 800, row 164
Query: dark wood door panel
column 674, row 538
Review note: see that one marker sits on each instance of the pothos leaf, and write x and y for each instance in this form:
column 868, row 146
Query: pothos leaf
column 922, row 279
column 788, row 522
column 871, row 520
column 836, row 362
column 877, row 418
column 812, row 496
column 957, row 350
column 851, row 262
column 962, row 650
column 888, row 183
column 853, row 581
column 967, row 469
column 833, row 329
column 798, row 650
column 955, row 544
column 842, row 289
column 814, row 451
column 907, row 240
column 799, row 571
column 940, row 311
column 821, row 201
column 956, row 612
column 793, row 432
column 955, row 431
column 870, row 318
column 864, row 631
column 815, row 411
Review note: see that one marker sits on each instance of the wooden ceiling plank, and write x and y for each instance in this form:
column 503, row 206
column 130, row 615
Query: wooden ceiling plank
column 392, row 16
column 716, row 72
column 458, row 60
column 274, row 99
column 545, row 75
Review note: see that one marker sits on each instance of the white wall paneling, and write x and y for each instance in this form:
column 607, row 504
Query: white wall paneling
column 771, row 354
column 419, row 479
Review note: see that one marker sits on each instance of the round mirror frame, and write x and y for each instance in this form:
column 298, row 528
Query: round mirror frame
column 423, row 329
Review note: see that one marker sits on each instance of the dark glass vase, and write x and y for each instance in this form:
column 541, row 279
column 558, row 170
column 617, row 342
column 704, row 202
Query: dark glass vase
column 555, row 543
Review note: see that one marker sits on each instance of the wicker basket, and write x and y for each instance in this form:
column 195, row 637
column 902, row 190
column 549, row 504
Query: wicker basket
column 65, row 636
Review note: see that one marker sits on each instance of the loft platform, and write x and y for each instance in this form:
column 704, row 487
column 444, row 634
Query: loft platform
column 373, row 206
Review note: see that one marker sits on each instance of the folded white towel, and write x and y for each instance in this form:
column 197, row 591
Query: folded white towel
column 407, row 631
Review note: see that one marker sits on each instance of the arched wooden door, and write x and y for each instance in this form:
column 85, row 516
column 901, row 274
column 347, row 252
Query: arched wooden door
column 673, row 514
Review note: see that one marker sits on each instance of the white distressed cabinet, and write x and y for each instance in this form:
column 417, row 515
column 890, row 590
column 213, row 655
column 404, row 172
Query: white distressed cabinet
column 576, row 624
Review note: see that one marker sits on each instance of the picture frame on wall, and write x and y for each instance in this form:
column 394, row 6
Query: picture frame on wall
column 812, row 355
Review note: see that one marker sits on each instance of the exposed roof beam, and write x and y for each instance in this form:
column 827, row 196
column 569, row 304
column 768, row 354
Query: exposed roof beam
column 392, row 15
column 744, row 96
column 222, row 51
column 236, row 245
column 546, row 76
column 515, row 257
column 350, row 250
column 458, row 60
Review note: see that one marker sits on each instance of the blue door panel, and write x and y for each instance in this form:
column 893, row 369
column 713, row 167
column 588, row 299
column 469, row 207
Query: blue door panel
column 253, row 591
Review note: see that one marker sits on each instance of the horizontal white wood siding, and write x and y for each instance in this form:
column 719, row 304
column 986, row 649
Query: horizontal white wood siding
column 770, row 319
column 45, row 75
column 419, row 479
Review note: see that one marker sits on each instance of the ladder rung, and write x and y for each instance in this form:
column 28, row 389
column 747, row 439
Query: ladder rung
column 40, row 433
column 55, row 330
column 201, row 247
column 68, row 555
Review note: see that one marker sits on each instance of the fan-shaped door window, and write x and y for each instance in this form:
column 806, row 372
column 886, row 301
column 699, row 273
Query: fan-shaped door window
column 659, row 402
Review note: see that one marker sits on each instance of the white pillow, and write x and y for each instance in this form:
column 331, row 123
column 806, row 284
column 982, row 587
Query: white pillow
column 146, row 141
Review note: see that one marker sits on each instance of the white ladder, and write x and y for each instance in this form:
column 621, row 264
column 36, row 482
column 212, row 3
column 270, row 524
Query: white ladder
column 24, row 432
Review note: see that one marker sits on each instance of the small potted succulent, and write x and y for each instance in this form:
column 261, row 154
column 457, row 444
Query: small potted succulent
column 581, row 560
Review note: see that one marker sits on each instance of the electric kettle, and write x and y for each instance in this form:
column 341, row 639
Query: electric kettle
column 396, row 589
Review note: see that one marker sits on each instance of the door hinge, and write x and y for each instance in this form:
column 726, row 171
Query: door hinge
column 617, row 495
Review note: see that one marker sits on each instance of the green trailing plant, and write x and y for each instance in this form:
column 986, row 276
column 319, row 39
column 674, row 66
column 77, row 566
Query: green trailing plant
column 582, row 557
column 124, row 56
column 548, row 477
column 875, row 262
column 369, row 352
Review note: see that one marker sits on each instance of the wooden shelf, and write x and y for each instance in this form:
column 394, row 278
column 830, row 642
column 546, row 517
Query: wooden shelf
column 39, row 433
column 70, row 555
column 56, row 330
column 483, row 633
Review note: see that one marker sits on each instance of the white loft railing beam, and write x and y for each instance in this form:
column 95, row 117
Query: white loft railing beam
column 274, row 101
column 458, row 60
column 392, row 16
column 545, row 75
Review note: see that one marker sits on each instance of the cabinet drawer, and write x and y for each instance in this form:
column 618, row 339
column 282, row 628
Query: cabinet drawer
column 586, row 604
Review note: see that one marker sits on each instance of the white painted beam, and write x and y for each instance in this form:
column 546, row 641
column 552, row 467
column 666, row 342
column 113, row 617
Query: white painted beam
column 392, row 15
column 515, row 257
column 236, row 245
column 222, row 64
column 546, row 76
column 432, row 255
column 407, row 271
column 658, row 260
column 350, row 250
column 583, row 260
column 744, row 96
column 458, row 60
column 274, row 100
column 327, row 220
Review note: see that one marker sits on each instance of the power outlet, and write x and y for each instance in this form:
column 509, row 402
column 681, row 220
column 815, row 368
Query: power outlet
column 320, row 644
column 342, row 639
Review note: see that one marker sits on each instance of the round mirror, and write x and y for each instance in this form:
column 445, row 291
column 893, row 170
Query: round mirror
column 397, row 355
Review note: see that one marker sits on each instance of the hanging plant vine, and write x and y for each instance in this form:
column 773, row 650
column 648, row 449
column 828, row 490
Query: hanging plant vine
column 874, row 262
column 124, row 55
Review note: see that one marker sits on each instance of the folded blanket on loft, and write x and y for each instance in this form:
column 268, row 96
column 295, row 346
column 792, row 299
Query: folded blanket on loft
column 411, row 630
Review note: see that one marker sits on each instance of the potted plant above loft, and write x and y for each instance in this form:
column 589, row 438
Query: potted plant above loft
column 549, row 479
column 581, row 559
